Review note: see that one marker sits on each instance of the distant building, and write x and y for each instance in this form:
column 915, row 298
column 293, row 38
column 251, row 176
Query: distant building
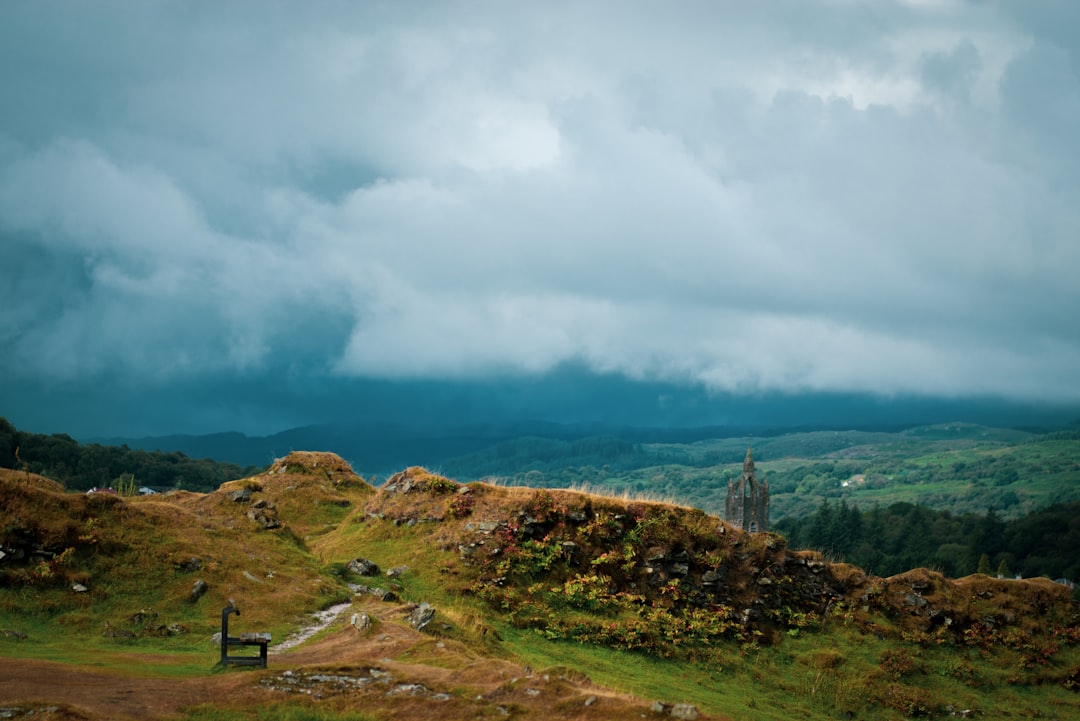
column 747, row 504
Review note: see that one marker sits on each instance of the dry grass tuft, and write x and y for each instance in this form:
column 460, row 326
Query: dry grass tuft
column 330, row 465
column 33, row 480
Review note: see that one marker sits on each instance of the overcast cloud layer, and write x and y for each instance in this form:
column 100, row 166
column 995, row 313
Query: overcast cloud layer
column 780, row 196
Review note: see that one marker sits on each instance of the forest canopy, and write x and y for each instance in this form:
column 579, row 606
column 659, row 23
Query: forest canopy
column 82, row 467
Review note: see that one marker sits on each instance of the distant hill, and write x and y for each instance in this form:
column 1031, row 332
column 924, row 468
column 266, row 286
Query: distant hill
column 81, row 466
column 955, row 467
column 961, row 468
column 384, row 448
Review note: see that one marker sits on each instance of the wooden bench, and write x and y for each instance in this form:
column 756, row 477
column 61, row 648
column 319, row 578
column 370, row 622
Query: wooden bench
column 262, row 640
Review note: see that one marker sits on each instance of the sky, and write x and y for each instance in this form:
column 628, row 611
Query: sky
column 253, row 215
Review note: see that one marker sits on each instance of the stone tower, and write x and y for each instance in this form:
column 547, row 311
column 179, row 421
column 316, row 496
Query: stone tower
column 747, row 504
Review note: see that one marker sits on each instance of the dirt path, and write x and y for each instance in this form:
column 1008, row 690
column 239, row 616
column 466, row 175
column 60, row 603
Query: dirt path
column 320, row 621
column 38, row 685
column 338, row 670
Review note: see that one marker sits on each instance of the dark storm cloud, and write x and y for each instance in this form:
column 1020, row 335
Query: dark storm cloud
column 800, row 197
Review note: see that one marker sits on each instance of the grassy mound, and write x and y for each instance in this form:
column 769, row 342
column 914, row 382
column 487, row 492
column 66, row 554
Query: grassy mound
column 611, row 601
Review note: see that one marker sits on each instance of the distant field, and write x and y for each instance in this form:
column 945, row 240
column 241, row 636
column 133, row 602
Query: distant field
column 961, row 468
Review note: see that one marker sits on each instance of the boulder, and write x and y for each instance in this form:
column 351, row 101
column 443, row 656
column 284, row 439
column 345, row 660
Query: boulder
column 684, row 711
column 380, row 593
column 421, row 616
column 914, row 600
column 198, row 590
column 363, row 567
column 485, row 527
column 264, row 517
column 714, row 577
column 242, row 495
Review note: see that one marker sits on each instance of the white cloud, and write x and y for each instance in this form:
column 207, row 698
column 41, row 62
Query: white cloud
column 824, row 196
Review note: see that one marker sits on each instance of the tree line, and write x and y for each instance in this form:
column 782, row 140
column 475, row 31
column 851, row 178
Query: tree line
column 82, row 467
column 902, row 536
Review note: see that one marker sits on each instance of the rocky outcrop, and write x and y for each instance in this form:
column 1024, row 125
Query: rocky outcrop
column 264, row 515
column 363, row 567
column 685, row 711
column 380, row 593
column 327, row 685
column 330, row 466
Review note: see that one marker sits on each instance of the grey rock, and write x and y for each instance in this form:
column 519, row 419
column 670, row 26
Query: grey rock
column 399, row 483
column 915, row 601
column 380, row 593
column 363, row 567
column 264, row 517
column 712, row 578
column 421, row 616
column 486, row 527
column 684, row 711
column 242, row 495
column 197, row 590
column 656, row 554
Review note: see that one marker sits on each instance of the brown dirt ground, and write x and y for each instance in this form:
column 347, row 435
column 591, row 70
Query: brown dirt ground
column 479, row 686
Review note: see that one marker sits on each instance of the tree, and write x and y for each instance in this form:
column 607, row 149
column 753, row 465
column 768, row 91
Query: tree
column 822, row 527
column 8, row 443
column 984, row 565
column 1003, row 570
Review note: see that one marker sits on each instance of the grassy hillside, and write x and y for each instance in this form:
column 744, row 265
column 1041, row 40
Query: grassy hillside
column 554, row 604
